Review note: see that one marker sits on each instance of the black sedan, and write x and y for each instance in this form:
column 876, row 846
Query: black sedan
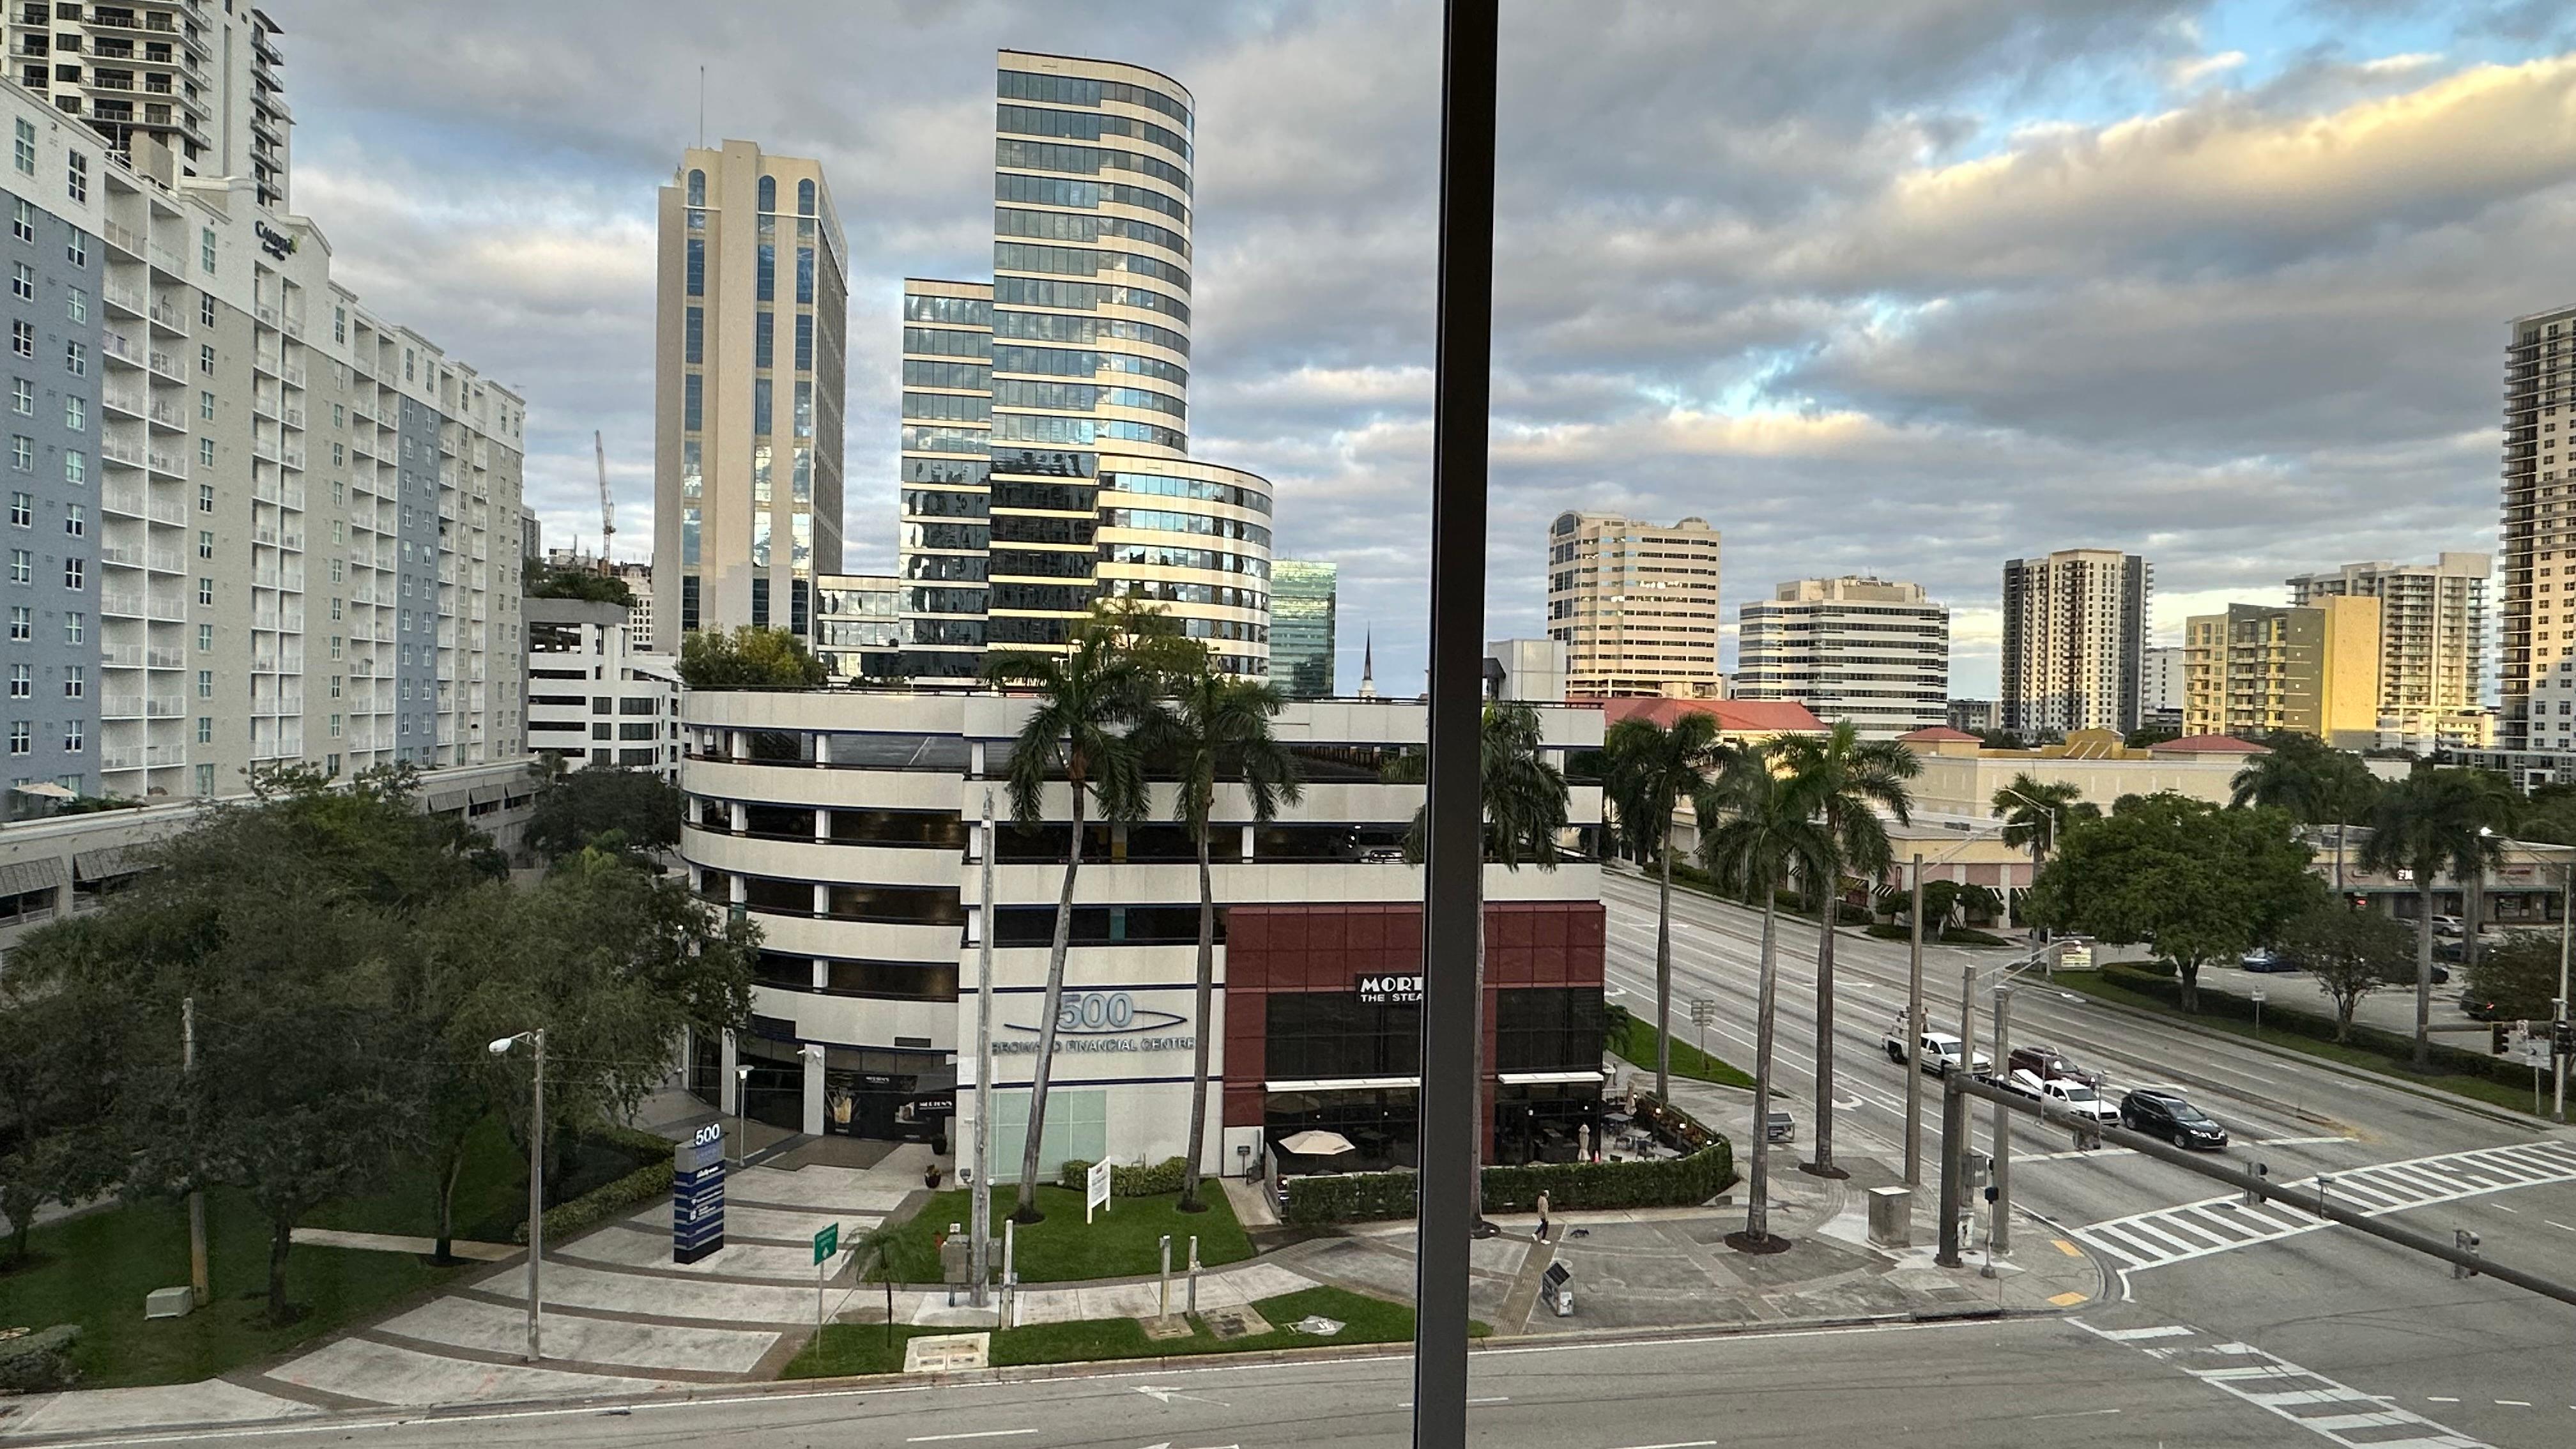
column 2159, row 1112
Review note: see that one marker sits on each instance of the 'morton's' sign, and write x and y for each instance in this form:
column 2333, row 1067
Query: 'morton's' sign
column 1390, row 988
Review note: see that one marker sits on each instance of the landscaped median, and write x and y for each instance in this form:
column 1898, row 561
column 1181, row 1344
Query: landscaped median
column 1632, row 1039
column 874, row 1348
column 2497, row 1081
column 1123, row 1240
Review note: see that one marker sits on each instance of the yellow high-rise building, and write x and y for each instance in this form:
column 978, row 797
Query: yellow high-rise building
column 2312, row 669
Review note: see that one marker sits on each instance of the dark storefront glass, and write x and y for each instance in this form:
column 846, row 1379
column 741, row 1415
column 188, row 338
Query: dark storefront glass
column 1380, row 1123
column 1323, row 1034
column 1549, row 1029
column 1104, row 925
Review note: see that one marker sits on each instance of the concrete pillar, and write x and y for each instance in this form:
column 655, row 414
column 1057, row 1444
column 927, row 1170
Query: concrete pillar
column 728, row 1091
column 813, row 1126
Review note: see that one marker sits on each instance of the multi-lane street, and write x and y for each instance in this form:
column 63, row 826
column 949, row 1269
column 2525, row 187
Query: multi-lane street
column 2379, row 1320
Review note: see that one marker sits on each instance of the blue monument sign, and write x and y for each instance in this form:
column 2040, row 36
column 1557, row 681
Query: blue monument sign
column 697, row 1194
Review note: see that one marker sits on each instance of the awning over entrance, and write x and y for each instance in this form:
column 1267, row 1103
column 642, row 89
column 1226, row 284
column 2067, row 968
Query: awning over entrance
column 19, row 878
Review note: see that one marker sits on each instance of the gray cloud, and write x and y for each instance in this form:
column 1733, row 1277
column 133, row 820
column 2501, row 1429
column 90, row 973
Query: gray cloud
column 1901, row 285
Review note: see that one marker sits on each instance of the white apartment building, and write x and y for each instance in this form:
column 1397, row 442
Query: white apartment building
column 2539, row 534
column 180, row 87
column 593, row 698
column 1867, row 650
column 2160, row 687
column 638, row 578
column 2075, row 628
column 1635, row 605
column 2432, row 634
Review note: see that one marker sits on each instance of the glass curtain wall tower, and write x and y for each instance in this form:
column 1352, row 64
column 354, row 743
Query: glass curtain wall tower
column 1046, row 442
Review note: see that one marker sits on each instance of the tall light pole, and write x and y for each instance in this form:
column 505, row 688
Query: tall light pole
column 1998, row 1236
column 536, row 1041
column 1916, row 1020
column 742, row 1115
column 2558, row 1015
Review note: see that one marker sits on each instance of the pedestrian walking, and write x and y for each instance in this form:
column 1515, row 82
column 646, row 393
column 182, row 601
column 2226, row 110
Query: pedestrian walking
column 1542, row 1217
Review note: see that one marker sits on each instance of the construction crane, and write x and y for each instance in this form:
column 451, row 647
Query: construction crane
column 607, row 506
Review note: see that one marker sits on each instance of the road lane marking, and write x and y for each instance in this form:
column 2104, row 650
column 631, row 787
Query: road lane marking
column 2070, row 1299
column 977, row 1434
column 1679, row 1444
column 2555, row 1223
column 2282, row 1389
column 2438, row 1399
column 2069, row 1249
column 2515, row 1403
column 1497, row 1399
column 2132, row 1335
column 2077, row 1414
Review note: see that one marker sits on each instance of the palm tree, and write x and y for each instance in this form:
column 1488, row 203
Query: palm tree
column 2035, row 811
column 1759, row 826
column 1652, row 768
column 1852, row 781
column 2315, row 783
column 1216, row 728
column 1089, row 700
column 2428, row 822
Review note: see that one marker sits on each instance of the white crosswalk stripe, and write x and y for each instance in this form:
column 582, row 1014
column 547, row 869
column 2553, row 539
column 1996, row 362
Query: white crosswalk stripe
column 2332, row 1411
column 2215, row 1225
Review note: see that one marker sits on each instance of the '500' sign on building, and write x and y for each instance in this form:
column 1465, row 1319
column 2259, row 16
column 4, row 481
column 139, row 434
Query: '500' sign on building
column 1105, row 1021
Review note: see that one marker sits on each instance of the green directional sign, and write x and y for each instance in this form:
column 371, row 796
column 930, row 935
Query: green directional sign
column 826, row 1243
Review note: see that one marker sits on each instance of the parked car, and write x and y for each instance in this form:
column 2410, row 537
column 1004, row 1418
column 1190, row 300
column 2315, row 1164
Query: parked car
column 2264, row 958
column 2476, row 1007
column 2046, row 1062
column 2451, row 926
column 2164, row 1112
column 1941, row 1051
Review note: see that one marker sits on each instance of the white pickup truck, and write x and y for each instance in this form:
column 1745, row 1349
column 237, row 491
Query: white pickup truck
column 1941, row 1051
column 2064, row 1096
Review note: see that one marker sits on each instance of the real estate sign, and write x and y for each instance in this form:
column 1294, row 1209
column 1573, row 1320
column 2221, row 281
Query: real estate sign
column 697, row 1194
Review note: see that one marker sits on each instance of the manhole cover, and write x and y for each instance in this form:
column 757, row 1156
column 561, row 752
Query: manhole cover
column 1230, row 1323
column 946, row 1352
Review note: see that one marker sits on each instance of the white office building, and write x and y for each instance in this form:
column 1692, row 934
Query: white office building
column 1867, row 650
column 593, row 699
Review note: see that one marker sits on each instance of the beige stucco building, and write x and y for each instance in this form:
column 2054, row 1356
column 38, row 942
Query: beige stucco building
column 2312, row 669
column 1636, row 606
column 2075, row 631
column 2432, row 636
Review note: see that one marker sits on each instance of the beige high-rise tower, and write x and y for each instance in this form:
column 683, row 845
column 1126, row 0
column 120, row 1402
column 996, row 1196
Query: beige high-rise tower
column 1635, row 604
column 2539, row 533
column 2432, row 632
column 2311, row 669
column 2075, row 633
column 747, row 393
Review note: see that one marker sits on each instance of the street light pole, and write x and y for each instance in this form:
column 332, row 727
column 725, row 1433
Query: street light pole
column 742, row 1115
column 1914, row 1036
column 2558, row 1017
column 1998, row 1236
column 536, row 1041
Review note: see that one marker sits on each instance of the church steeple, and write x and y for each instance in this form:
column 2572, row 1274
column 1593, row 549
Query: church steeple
column 1368, row 665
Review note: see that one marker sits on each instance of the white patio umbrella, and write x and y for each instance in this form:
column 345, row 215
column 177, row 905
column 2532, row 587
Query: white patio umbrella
column 1317, row 1143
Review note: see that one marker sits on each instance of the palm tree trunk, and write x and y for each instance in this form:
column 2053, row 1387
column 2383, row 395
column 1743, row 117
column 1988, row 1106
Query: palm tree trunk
column 2339, row 833
column 1199, row 1053
column 2423, row 969
column 281, row 1237
column 1027, row 1211
column 1757, row 1210
column 1823, row 1166
column 1664, row 970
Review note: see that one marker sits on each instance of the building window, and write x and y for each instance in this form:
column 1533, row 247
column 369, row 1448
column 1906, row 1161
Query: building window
column 339, row 324
column 22, row 681
column 75, row 627
column 205, row 684
column 694, row 328
column 206, row 358
column 76, row 304
column 205, row 730
column 22, row 452
column 804, row 274
column 206, row 406
column 769, row 193
column 76, row 176
column 22, row 509
column 75, row 682
column 206, row 592
column 206, row 308
column 75, row 467
column 692, row 402
column 205, row 543
column 205, row 498
column 76, row 247
column 75, row 736
column 206, row 451
column 22, row 338
column 21, row 566
column 805, row 341
column 22, row 623
column 697, row 265
column 206, row 249
column 21, row 738
column 805, row 197
column 74, row 522
column 26, row 147
column 205, row 638
column 76, row 413
column 22, row 396
column 76, row 359
column 22, row 223
column 205, row 780
column 764, row 279
column 22, row 281
column 75, row 573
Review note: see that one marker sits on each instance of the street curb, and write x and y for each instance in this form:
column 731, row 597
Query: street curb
column 2454, row 1100
column 1030, row 1373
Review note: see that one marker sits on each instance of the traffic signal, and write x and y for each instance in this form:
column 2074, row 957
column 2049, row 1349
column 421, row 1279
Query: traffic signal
column 2563, row 1037
column 2498, row 1047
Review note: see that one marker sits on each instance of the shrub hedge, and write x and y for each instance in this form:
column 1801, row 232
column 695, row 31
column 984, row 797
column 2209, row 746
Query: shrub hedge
column 1955, row 936
column 2396, row 1046
column 1124, row 1181
column 614, row 1199
column 1707, row 1170
column 39, row 1362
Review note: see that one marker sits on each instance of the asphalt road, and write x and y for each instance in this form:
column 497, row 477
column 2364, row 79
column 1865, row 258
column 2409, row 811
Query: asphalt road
column 1971, row 1386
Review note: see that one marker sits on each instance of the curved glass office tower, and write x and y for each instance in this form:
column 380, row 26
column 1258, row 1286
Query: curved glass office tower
column 1046, row 416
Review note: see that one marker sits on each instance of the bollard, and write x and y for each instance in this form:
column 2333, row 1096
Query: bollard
column 2252, row 1197
column 1164, row 1309
column 1194, row 1273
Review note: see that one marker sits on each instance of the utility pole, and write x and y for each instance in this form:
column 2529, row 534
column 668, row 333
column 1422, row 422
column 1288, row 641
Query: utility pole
column 2558, row 1008
column 1954, row 1169
column 980, row 1246
column 1914, row 1037
column 1998, row 1237
column 200, row 1288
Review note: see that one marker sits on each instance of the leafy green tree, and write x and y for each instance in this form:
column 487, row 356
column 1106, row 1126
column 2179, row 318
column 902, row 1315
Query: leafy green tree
column 2198, row 882
column 1758, row 826
column 575, row 808
column 563, row 583
column 1648, row 770
column 749, row 658
column 2035, row 811
column 53, row 1098
column 2428, row 823
column 1216, row 731
column 2316, row 783
column 1088, row 702
column 2146, row 735
column 2351, row 953
column 2520, row 976
column 1854, row 782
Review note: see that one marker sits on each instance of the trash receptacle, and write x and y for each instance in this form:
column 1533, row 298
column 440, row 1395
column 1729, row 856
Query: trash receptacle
column 1891, row 1217
column 1557, row 1283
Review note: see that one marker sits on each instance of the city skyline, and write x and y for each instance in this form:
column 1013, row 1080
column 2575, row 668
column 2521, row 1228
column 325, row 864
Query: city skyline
column 2265, row 391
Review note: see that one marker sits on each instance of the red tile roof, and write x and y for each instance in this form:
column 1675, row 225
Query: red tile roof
column 1936, row 734
column 1740, row 716
column 2208, row 745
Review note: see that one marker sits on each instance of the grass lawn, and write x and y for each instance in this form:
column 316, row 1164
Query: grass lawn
column 2483, row 1089
column 866, row 1348
column 1123, row 1241
column 1636, row 1043
column 94, row 1269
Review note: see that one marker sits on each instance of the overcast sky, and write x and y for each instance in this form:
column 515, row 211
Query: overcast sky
column 1898, row 286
